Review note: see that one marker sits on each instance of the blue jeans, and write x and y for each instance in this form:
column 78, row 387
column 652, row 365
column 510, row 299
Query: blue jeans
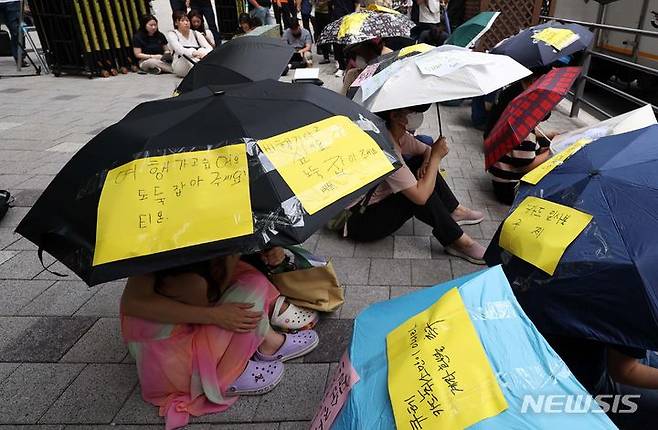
column 262, row 13
column 10, row 14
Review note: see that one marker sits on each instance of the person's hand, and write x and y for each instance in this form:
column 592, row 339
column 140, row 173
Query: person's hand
column 157, row 56
column 273, row 257
column 236, row 317
column 422, row 171
column 440, row 148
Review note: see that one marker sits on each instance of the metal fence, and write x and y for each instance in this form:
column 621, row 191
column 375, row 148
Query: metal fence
column 587, row 59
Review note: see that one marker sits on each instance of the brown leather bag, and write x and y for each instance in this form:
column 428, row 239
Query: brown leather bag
column 310, row 285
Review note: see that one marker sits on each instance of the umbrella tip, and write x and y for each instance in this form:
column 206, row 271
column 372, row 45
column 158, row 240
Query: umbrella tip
column 218, row 92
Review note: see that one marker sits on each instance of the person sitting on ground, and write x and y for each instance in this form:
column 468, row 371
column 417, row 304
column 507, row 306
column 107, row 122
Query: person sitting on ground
column 608, row 370
column 362, row 53
column 202, row 334
column 150, row 47
column 425, row 195
column 300, row 39
column 507, row 172
column 189, row 46
column 197, row 23
column 247, row 23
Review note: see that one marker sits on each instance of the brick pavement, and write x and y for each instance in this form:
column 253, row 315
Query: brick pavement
column 62, row 362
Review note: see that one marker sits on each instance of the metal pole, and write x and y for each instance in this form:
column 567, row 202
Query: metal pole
column 640, row 25
column 580, row 85
column 438, row 115
column 21, row 39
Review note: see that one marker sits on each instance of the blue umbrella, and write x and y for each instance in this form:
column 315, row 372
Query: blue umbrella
column 605, row 286
column 523, row 362
column 531, row 51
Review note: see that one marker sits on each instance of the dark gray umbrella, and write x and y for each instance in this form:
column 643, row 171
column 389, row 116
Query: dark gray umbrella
column 243, row 59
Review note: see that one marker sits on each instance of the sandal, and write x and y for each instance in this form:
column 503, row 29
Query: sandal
column 294, row 318
column 294, row 346
column 257, row 378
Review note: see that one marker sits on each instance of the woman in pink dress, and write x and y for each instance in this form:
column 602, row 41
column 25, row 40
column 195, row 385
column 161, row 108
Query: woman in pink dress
column 201, row 336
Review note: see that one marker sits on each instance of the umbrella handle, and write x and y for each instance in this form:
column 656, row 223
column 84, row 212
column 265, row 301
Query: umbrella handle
column 438, row 115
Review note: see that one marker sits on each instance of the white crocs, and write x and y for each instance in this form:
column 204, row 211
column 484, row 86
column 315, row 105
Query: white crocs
column 294, row 318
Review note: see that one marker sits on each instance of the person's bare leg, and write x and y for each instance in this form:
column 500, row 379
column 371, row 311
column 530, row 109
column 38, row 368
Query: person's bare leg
column 271, row 343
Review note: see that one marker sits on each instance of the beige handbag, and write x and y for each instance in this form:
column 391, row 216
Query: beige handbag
column 312, row 283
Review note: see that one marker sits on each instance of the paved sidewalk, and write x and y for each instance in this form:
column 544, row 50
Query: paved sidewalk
column 62, row 362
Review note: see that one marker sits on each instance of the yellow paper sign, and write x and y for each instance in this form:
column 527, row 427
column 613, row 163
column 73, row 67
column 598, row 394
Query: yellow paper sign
column 419, row 47
column 377, row 8
column 325, row 161
column 351, row 24
column 558, row 38
column 538, row 173
column 168, row 202
column 439, row 376
column 539, row 231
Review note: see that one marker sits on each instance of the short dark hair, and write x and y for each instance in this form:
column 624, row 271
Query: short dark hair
column 294, row 25
column 244, row 18
column 177, row 16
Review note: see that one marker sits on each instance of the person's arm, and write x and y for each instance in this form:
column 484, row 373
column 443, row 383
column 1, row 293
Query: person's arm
column 629, row 371
column 539, row 159
column 298, row 5
column 306, row 48
column 210, row 38
column 205, row 46
column 424, row 187
column 140, row 300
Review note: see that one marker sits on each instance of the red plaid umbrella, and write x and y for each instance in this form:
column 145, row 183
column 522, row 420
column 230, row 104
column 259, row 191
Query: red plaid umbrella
column 527, row 110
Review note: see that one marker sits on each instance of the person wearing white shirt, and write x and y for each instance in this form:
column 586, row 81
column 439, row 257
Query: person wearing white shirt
column 10, row 12
column 189, row 46
column 429, row 16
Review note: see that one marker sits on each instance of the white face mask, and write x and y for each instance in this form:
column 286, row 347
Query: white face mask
column 414, row 121
column 361, row 62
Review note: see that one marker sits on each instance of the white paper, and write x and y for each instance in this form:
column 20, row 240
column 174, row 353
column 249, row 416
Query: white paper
column 445, row 63
column 307, row 73
column 630, row 121
column 375, row 82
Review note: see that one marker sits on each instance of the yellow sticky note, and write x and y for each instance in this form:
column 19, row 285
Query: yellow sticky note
column 419, row 47
column 536, row 174
column 439, row 376
column 558, row 38
column 539, row 231
column 351, row 24
column 325, row 161
column 377, row 8
column 162, row 203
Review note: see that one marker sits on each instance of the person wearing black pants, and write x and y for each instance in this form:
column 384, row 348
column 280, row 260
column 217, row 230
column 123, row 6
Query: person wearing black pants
column 205, row 8
column 321, row 21
column 425, row 196
column 338, row 9
column 178, row 5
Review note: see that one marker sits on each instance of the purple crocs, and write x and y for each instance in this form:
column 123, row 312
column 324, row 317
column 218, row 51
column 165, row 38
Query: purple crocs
column 294, row 346
column 257, row 378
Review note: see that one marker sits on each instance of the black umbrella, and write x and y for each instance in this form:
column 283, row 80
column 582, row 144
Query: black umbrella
column 240, row 60
column 207, row 173
column 545, row 44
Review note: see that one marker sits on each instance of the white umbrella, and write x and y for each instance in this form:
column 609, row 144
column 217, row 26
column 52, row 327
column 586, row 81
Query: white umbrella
column 441, row 74
column 633, row 120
